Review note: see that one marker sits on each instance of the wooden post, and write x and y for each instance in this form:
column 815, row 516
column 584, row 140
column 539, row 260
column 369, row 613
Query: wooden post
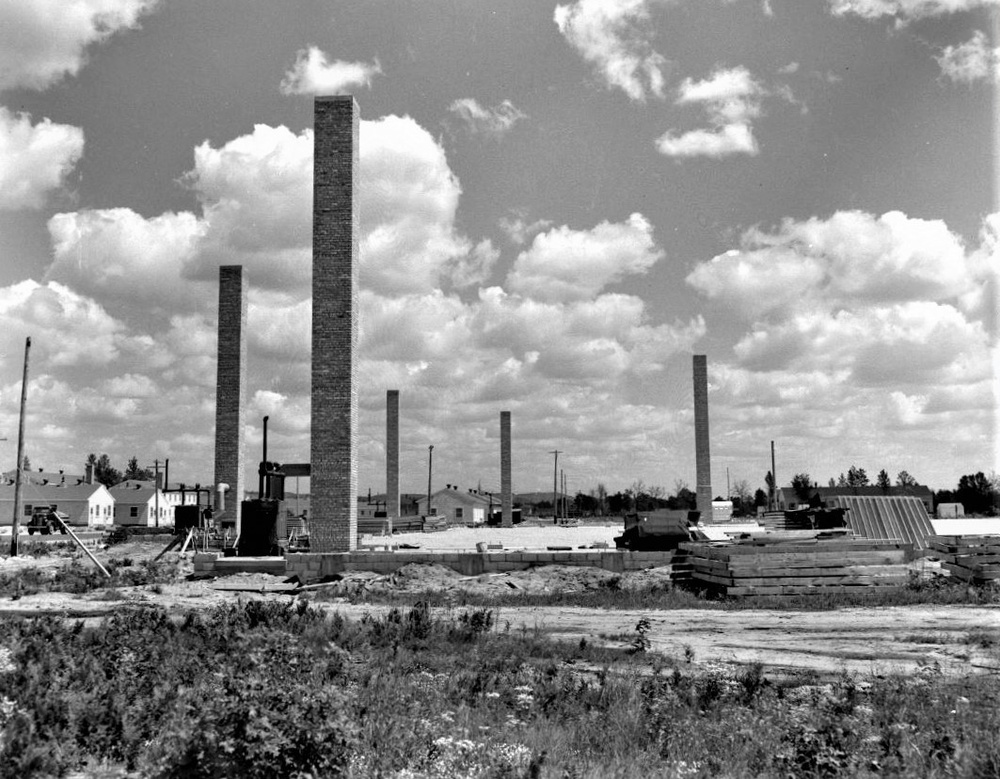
column 83, row 546
column 15, row 527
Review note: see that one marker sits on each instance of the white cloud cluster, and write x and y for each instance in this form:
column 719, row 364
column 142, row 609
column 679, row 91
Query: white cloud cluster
column 314, row 74
column 905, row 10
column 34, row 158
column 615, row 38
column 731, row 96
column 571, row 265
column 861, row 328
column 494, row 122
column 42, row 41
column 974, row 60
column 555, row 342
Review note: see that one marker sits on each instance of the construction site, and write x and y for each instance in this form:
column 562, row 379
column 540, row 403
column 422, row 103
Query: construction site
column 824, row 543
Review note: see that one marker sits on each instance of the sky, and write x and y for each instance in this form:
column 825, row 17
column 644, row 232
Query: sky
column 560, row 203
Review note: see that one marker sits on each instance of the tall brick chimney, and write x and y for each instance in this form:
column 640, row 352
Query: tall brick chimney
column 334, row 445
column 231, row 383
column 506, row 499
column 392, row 453
column 703, row 463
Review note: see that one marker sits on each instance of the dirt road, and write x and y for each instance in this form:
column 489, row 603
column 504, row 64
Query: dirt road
column 953, row 639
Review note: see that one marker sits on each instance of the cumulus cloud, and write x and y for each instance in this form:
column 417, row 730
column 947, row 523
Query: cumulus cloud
column 494, row 122
column 314, row 74
column 850, row 256
column 409, row 197
column 971, row 61
column 565, row 265
column 67, row 329
column 615, row 38
column 732, row 99
column 43, row 41
column 904, row 10
column 862, row 328
column 34, row 159
column 120, row 252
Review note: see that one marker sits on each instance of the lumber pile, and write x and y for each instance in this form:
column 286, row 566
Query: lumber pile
column 974, row 559
column 797, row 566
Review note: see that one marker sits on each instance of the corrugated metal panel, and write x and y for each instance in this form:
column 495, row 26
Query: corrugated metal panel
column 902, row 518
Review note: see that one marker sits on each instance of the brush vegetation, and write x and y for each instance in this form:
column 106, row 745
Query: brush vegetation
column 264, row 689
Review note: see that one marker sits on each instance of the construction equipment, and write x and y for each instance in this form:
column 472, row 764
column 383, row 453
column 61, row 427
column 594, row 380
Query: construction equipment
column 659, row 531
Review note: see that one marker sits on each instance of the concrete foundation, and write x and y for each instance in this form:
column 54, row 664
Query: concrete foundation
column 312, row 566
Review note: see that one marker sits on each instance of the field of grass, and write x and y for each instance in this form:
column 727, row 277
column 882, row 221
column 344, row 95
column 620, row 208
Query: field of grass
column 255, row 689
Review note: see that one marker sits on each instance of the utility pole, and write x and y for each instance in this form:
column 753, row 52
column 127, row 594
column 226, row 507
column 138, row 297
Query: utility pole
column 15, row 528
column 430, row 470
column 774, row 481
column 555, row 487
column 564, row 504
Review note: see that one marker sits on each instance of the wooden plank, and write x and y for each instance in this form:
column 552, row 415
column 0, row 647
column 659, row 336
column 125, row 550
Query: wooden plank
column 796, row 590
column 802, row 581
column 967, row 574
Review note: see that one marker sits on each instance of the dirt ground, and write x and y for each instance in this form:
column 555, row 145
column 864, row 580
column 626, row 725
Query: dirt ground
column 949, row 639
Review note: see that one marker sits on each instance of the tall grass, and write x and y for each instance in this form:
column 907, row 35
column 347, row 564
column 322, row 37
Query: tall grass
column 258, row 689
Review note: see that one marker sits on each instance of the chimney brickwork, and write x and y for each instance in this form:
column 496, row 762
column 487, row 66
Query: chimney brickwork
column 392, row 453
column 231, row 383
column 334, row 446
column 703, row 463
column 506, row 499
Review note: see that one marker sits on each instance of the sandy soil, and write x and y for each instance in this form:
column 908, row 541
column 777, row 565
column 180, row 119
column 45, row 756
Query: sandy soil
column 904, row 639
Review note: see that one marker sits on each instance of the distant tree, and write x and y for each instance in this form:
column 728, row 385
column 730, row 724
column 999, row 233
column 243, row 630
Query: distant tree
column 104, row 472
column 684, row 500
column 841, row 481
column 619, row 503
column 975, row 493
column 883, row 480
column 903, row 479
column 586, row 505
column 802, row 484
column 856, row 477
column 759, row 498
column 832, row 482
column 771, row 494
column 602, row 499
column 133, row 471
column 743, row 496
column 25, row 463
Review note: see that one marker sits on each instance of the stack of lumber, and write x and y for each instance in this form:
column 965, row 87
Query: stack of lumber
column 779, row 521
column 974, row 559
column 797, row 566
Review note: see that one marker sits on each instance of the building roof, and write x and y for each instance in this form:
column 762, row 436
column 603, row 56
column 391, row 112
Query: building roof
column 138, row 492
column 467, row 497
column 50, row 493
column 882, row 517
column 42, row 477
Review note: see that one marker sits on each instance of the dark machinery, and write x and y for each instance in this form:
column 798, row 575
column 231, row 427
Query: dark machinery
column 659, row 531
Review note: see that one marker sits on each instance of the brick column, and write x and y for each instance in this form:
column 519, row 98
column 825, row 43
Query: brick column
column 334, row 446
column 506, row 504
column 392, row 453
column 703, row 463
column 231, row 386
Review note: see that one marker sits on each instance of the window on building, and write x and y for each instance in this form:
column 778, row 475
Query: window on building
column 459, row 512
column 133, row 511
column 27, row 509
